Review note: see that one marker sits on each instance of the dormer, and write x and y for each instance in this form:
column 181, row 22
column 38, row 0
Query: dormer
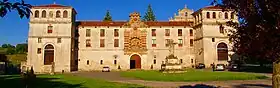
column 52, row 13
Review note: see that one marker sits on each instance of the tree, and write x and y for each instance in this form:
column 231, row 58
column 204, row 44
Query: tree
column 22, row 8
column 149, row 15
column 21, row 48
column 258, row 33
column 107, row 17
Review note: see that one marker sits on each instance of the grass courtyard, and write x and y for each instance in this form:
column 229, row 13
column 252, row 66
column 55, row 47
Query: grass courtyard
column 191, row 75
column 61, row 81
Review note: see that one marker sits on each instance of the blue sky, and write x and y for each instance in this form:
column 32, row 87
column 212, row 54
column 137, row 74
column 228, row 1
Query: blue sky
column 15, row 30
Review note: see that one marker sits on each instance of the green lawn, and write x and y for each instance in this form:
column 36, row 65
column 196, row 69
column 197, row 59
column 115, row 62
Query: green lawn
column 191, row 75
column 61, row 81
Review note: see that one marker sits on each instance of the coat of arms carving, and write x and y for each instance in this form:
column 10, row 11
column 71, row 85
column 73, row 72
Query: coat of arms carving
column 135, row 35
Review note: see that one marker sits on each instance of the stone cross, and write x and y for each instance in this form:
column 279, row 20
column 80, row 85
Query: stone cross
column 171, row 45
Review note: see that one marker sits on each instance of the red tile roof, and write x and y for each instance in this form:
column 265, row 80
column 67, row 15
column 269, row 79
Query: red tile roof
column 52, row 6
column 212, row 7
column 121, row 23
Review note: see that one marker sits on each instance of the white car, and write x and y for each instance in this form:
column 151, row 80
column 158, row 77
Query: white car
column 106, row 69
column 220, row 67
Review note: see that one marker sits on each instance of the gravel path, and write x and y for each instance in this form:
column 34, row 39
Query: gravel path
column 115, row 77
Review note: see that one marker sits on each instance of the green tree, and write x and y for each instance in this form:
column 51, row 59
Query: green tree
column 21, row 48
column 22, row 8
column 149, row 15
column 108, row 16
column 258, row 33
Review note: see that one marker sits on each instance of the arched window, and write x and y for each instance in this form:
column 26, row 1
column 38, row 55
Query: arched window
column 49, row 55
column 220, row 15
column 232, row 15
column 208, row 15
column 226, row 15
column 51, row 14
column 57, row 14
column 214, row 15
column 65, row 14
column 186, row 14
column 36, row 14
column 222, row 51
column 44, row 13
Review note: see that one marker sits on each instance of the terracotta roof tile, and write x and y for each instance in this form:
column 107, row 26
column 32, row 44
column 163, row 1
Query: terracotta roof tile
column 52, row 6
column 121, row 23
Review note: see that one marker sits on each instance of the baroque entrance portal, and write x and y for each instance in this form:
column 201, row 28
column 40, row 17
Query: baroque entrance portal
column 135, row 62
column 135, row 35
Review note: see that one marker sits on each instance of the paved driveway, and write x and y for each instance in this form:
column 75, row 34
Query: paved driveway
column 115, row 77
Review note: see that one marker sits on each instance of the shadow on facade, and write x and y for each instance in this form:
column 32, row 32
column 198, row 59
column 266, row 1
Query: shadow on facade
column 15, row 81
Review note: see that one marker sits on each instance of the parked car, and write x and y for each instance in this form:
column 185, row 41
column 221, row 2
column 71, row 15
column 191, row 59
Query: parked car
column 106, row 69
column 220, row 67
column 200, row 66
column 233, row 67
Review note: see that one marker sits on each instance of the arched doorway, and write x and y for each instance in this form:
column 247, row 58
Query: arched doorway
column 135, row 62
column 48, row 54
column 222, row 51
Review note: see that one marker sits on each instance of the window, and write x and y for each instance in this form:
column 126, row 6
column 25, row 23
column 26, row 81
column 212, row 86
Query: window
column 87, row 62
column 39, row 40
column 65, row 14
column 154, row 32
column 222, row 29
column 167, row 32
column 191, row 32
column 207, row 15
column 101, row 61
column 226, row 15
column 214, row 15
column 102, row 42
column 50, row 14
column 180, row 42
column 36, row 14
column 213, row 39
column 181, row 60
column 154, row 43
column 102, row 32
column 186, row 14
column 116, row 42
column 180, row 32
column 44, row 13
column 232, row 15
column 191, row 60
column 166, row 42
column 222, row 51
column 57, row 14
column 39, row 50
column 191, row 42
column 115, row 62
column 155, row 61
column 88, row 44
column 88, row 32
column 58, row 40
column 116, row 32
column 50, row 29
column 220, row 15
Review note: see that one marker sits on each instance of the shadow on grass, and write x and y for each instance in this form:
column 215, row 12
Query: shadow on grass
column 236, row 86
column 199, row 86
column 15, row 81
column 253, row 86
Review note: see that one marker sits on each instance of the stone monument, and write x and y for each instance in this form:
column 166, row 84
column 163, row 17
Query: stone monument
column 172, row 63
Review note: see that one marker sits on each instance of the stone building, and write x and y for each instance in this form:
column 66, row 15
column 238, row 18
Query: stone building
column 57, row 42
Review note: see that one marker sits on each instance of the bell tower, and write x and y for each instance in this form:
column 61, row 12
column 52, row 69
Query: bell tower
column 51, row 38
